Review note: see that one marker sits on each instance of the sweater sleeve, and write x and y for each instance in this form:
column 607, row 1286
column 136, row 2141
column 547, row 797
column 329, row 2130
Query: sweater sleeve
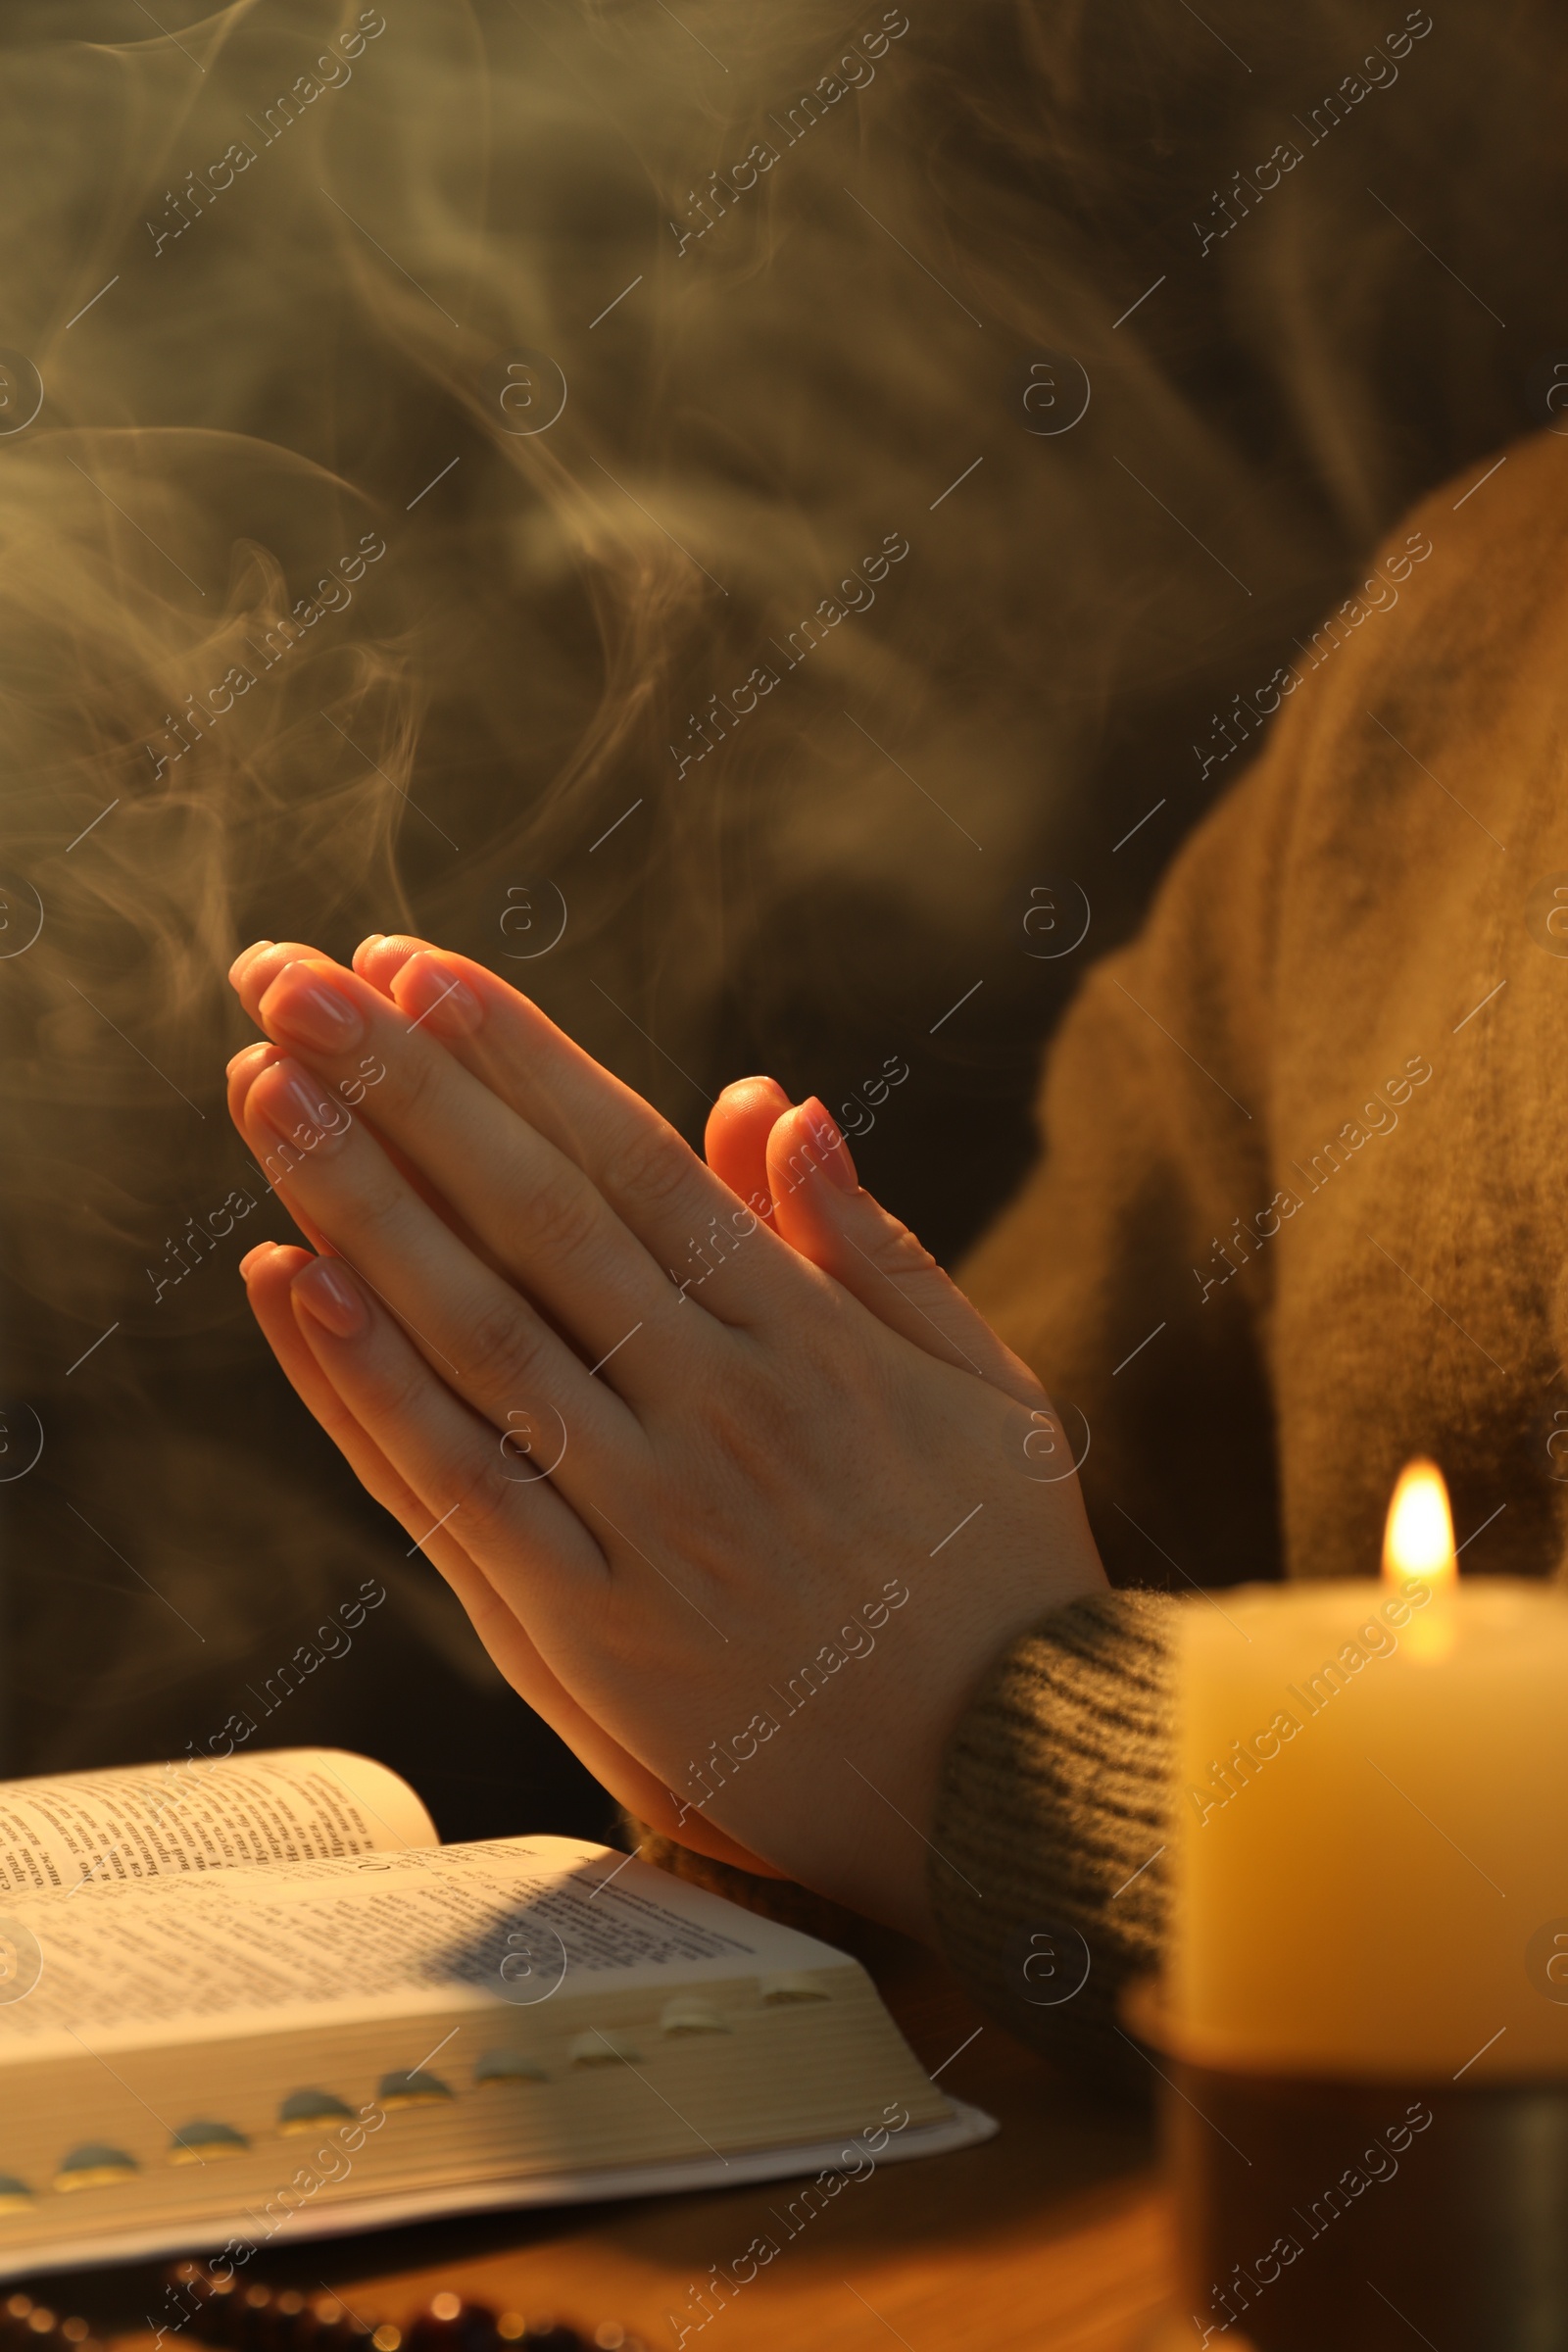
column 1046, row 1878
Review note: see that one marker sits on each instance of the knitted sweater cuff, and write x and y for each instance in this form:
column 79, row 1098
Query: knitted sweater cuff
column 1047, row 1879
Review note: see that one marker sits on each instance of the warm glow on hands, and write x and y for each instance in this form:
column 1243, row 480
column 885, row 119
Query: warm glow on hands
column 654, row 1446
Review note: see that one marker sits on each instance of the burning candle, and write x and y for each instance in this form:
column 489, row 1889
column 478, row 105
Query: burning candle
column 1371, row 1820
column 1418, row 1540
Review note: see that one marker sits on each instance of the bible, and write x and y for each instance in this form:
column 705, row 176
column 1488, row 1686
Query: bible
column 255, row 1995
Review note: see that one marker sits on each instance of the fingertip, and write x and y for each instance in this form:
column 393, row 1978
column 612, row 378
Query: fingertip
column 735, row 1141
column 758, row 1095
column 822, row 1138
column 272, row 1257
column 315, row 1004
column 252, row 973
column 431, row 988
column 747, row 1107
column 380, row 957
column 243, row 958
column 242, row 1074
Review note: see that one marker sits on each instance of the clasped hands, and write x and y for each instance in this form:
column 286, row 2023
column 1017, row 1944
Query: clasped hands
column 739, row 1492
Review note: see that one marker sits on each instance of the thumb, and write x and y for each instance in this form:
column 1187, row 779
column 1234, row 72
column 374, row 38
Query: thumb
column 822, row 1210
column 735, row 1143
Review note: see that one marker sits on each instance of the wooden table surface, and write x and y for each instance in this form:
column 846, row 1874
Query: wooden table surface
column 1053, row 2237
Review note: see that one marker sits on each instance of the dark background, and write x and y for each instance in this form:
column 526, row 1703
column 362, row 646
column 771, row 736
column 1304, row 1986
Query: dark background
column 805, row 379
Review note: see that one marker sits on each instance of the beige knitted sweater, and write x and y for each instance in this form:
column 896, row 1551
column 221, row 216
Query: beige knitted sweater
column 1299, row 1214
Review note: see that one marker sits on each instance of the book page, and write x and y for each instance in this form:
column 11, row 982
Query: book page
column 514, row 1920
column 200, row 1814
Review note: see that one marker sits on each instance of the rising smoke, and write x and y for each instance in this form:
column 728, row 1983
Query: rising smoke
column 466, row 440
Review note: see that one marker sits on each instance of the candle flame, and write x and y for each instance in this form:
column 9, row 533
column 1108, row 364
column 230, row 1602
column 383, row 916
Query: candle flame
column 1418, row 1542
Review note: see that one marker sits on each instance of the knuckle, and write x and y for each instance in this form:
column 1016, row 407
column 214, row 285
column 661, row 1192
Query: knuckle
column 896, row 1251
column 566, row 1217
column 382, row 1202
column 504, row 1352
column 487, row 1502
column 652, row 1171
column 396, row 1388
column 326, row 1124
column 746, row 1409
column 419, row 1077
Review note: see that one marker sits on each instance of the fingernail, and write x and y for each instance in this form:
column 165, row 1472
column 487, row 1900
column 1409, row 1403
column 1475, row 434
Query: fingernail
column 298, row 1108
column 331, row 1297
column 430, row 992
column 309, row 1003
column 245, row 1053
column 832, row 1152
column 244, row 957
column 253, row 1258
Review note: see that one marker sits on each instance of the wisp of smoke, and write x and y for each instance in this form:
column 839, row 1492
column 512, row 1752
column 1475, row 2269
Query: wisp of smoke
column 607, row 487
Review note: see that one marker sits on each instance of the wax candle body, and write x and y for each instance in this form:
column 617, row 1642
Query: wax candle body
column 1370, row 1832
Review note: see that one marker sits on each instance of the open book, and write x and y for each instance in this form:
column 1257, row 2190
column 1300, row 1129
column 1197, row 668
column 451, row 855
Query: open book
column 251, row 1995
